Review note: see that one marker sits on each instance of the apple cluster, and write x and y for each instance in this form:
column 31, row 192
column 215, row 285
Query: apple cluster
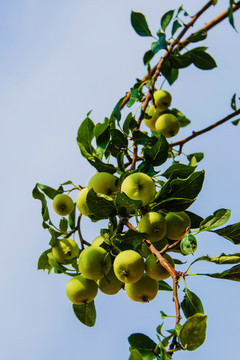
column 157, row 116
column 103, row 266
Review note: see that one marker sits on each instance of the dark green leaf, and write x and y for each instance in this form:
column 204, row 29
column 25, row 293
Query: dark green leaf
column 63, row 225
column 233, row 102
column 158, row 153
column 126, row 206
column 84, row 138
column 129, row 123
column 222, row 259
column 102, row 206
column 40, row 196
column 102, row 135
column 139, row 24
column 102, row 167
column 193, row 332
column 235, row 122
column 169, row 72
column 147, row 168
column 230, row 232
column 198, row 36
column 173, row 204
column 72, row 218
column 176, row 25
column 162, row 285
column 198, row 155
column 134, row 97
column 116, row 114
column 86, row 313
column 179, row 170
column 135, row 355
column 201, row 59
column 219, row 217
column 148, row 57
column 120, row 161
column 230, row 16
column 43, row 261
column 140, row 137
column 119, row 139
column 180, row 61
column 166, row 18
column 191, row 304
column 195, row 220
column 141, row 342
column 160, row 44
column 50, row 192
column 230, row 274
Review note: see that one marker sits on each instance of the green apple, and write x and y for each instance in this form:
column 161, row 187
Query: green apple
column 94, row 262
column 144, row 290
column 81, row 290
column 110, row 284
column 65, row 250
column 152, row 112
column 63, row 204
column 103, row 183
column 139, row 186
column 177, row 224
column 162, row 99
column 98, row 241
column 154, row 225
column 81, row 202
column 129, row 266
column 188, row 244
column 155, row 270
column 168, row 125
column 159, row 245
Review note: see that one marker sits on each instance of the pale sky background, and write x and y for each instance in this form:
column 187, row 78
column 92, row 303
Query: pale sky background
column 60, row 59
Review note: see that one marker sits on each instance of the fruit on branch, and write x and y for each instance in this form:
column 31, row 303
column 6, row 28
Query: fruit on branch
column 159, row 245
column 63, row 204
column 110, row 284
column 155, row 270
column 103, row 183
column 162, row 99
column 154, row 225
column 65, row 251
column 139, row 186
column 177, row 224
column 168, row 125
column 129, row 266
column 188, row 244
column 80, row 290
column 144, row 290
column 82, row 203
column 94, row 262
column 98, row 241
column 150, row 117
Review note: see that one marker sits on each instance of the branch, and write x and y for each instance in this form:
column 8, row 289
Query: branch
column 197, row 133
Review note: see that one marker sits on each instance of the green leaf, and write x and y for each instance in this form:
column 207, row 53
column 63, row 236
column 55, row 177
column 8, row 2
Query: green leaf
column 170, row 73
column 40, row 196
column 163, row 286
column 135, row 355
column 230, row 16
column 139, row 24
column 102, row 206
column 120, row 161
column 235, row 122
column 147, row 168
column 84, row 138
column 86, row 313
column 191, row 304
column 198, row 36
column 102, row 135
column 148, row 57
column 173, row 204
column 63, row 225
column 102, row 167
column 180, row 61
column 72, row 218
column 43, row 263
column 129, row 123
column 140, row 137
column 166, row 19
column 119, row 139
column 198, row 155
column 230, row 232
column 129, row 235
column 126, row 206
column 158, row 153
column 141, row 342
column 56, row 265
column 195, row 220
column 201, row 59
column 179, row 170
column 219, row 217
column 160, row 44
column 50, row 192
column 193, row 332
column 230, row 274
column 233, row 102
column 134, row 97
column 222, row 259
column 176, row 26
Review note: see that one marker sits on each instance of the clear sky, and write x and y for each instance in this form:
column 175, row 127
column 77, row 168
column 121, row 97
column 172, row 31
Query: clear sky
column 60, row 59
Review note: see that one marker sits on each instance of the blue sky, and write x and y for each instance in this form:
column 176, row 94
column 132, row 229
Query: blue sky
column 60, row 59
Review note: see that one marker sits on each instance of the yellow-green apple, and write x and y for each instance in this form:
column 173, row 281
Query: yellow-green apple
column 154, row 225
column 177, row 224
column 63, row 204
column 168, row 125
column 65, row 251
column 129, row 266
column 81, row 290
column 139, row 186
column 103, row 183
column 110, row 284
column 162, row 99
column 155, row 270
column 144, row 290
column 94, row 262
column 151, row 116
column 81, row 202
